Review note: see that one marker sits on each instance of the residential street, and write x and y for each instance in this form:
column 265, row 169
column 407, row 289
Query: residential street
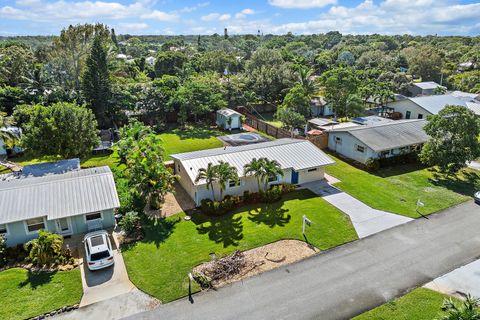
column 347, row 280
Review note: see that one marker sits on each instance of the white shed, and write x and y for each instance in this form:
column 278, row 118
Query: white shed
column 229, row 119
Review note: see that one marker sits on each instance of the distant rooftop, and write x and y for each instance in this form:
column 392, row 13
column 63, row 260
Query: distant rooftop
column 426, row 85
column 371, row 120
column 228, row 112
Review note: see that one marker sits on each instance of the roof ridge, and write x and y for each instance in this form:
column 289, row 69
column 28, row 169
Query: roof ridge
column 364, row 127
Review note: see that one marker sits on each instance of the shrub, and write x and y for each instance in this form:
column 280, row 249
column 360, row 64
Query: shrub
column 46, row 249
column 218, row 208
column 129, row 222
column 203, row 281
column 372, row 164
column 272, row 195
column 3, row 251
column 17, row 253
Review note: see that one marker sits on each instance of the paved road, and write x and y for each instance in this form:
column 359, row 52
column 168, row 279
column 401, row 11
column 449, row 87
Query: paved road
column 347, row 280
column 365, row 220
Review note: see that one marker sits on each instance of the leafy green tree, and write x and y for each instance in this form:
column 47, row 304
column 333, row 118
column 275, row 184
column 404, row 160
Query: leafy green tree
column 226, row 173
column 149, row 177
column 217, row 61
column 289, row 118
column 16, row 61
column 7, row 136
column 45, row 249
column 10, row 97
column 453, row 139
column 424, row 62
column 298, row 100
column 129, row 222
column 354, row 106
column 63, row 129
column 469, row 309
column 96, row 83
column 339, row 84
column 305, row 79
column 468, row 81
column 210, row 175
column 130, row 134
column 169, row 63
column 346, row 58
column 3, row 251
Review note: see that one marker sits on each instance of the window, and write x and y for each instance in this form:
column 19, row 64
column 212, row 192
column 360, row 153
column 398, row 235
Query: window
column 35, row 224
column 3, row 229
column 233, row 183
column 93, row 216
column 178, row 167
column 420, row 116
column 312, row 170
column 408, row 114
column 272, row 178
column 338, row 140
column 384, row 153
column 361, row 149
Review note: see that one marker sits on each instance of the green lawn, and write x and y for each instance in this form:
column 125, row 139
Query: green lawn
column 25, row 294
column 159, row 264
column 269, row 117
column 397, row 189
column 419, row 304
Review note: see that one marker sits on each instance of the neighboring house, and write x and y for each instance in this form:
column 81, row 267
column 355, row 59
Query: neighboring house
column 380, row 141
column 320, row 107
column 150, row 60
column 58, row 197
column 229, row 119
column 300, row 160
column 424, row 88
column 4, row 150
column 421, row 107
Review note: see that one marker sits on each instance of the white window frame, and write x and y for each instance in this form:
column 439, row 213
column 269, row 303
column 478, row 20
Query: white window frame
column 25, row 224
column 7, row 232
column 338, row 140
column 273, row 181
column 361, row 147
column 238, row 184
column 86, row 214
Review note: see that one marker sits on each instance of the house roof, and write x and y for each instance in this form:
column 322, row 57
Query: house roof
column 322, row 121
column 371, row 120
column 426, row 85
column 56, row 195
column 435, row 103
column 390, row 135
column 228, row 112
column 290, row 153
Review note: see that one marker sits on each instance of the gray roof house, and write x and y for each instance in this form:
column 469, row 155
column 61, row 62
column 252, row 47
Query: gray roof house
column 228, row 119
column 300, row 160
column 424, row 88
column 380, row 141
column 58, row 197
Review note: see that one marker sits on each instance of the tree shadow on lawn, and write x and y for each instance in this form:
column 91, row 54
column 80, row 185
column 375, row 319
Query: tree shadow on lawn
column 36, row 279
column 399, row 169
column 227, row 229
column 200, row 131
column 157, row 230
column 270, row 215
column 466, row 186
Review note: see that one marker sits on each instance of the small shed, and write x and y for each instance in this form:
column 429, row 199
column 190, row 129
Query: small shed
column 229, row 119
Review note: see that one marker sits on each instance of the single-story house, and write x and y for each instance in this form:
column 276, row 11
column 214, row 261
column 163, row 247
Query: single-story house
column 421, row 107
column 380, row 141
column 424, row 88
column 58, row 197
column 300, row 160
column 320, row 107
column 229, row 119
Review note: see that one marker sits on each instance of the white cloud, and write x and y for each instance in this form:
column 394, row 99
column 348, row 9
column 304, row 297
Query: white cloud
column 301, row 4
column 194, row 8
column 242, row 14
column 133, row 26
column 216, row 16
column 27, row 2
column 159, row 15
column 224, row 17
column 247, row 11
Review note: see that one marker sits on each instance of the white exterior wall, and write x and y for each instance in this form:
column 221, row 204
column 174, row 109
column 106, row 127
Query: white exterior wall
column 3, row 151
column 348, row 147
column 222, row 121
column 304, row 176
column 403, row 106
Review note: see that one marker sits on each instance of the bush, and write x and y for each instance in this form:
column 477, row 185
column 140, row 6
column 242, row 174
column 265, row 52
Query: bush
column 16, row 254
column 272, row 195
column 3, row 251
column 46, row 249
column 372, row 164
column 218, row 208
column 129, row 222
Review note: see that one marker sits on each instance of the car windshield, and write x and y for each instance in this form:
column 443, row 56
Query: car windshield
column 99, row 255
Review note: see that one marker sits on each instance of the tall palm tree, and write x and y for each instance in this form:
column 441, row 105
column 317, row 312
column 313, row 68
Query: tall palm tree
column 469, row 309
column 255, row 168
column 225, row 173
column 353, row 105
column 305, row 80
column 210, row 175
column 7, row 136
column 271, row 168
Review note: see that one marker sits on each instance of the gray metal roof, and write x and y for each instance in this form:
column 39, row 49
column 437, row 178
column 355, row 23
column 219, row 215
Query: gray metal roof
column 391, row 135
column 427, row 85
column 322, row 121
column 57, row 195
column 290, row 153
column 371, row 120
column 228, row 112
column 435, row 103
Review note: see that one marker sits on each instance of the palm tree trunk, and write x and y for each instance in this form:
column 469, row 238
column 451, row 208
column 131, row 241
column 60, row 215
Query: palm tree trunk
column 213, row 190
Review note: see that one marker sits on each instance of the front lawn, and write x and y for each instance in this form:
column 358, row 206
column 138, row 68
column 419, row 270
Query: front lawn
column 397, row 189
column 25, row 294
column 419, row 304
column 159, row 264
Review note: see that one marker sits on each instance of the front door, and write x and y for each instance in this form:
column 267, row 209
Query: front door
column 294, row 177
column 64, row 226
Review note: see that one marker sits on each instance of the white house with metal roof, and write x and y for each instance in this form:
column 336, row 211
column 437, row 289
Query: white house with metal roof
column 229, row 119
column 421, row 107
column 380, row 141
column 58, row 197
column 300, row 160
column 426, row 88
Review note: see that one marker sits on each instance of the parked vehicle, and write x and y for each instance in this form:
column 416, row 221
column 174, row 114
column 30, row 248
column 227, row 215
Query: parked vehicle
column 476, row 197
column 98, row 250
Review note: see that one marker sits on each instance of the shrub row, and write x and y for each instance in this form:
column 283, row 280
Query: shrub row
column 375, row 164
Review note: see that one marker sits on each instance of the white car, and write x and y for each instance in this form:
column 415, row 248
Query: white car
column 98, row 250
column 476, row 196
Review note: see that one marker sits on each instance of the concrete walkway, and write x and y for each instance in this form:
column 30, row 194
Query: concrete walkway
column 348, row 280
column 460, row 282
column 474, row 165
column 366, row 220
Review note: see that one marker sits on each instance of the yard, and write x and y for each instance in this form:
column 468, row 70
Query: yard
column 25, row 294
column 159, row 264
column 397, row 189
column 269, row 117
column 419, row 304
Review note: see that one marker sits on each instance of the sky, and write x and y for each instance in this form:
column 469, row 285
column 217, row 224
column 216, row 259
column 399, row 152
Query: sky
column 419, row 17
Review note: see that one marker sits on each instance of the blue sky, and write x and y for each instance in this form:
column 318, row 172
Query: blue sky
column 46, row 17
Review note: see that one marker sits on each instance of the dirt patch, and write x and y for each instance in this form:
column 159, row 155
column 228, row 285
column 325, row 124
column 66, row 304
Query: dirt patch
column 264, row 258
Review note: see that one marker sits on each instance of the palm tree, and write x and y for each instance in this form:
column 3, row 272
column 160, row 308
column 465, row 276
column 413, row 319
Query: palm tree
column 305, row 80
column 225, row 173
column 255, row 168
column 210, row 175
column 469, row 309
column 45, row 248
column 7, row 136
column 353, row 105
column 271, row 168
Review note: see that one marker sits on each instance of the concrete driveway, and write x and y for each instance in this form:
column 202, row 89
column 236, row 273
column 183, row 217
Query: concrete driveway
column 366, row 220
column 106, row 283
